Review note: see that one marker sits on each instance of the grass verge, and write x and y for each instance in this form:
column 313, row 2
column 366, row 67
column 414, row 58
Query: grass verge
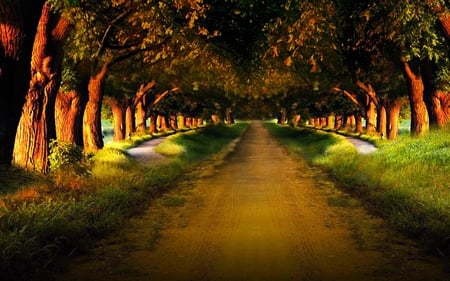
column 45, row 218
column 406, row 181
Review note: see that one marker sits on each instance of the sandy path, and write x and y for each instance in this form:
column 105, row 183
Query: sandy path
column 260, row 215
column 145, row 151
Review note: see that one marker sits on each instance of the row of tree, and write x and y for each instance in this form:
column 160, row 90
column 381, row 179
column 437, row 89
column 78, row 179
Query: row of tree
column 84, row 54
column 378, row 55
column 62, row 60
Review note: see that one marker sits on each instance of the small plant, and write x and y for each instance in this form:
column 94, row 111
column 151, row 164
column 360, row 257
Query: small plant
column 65, row 155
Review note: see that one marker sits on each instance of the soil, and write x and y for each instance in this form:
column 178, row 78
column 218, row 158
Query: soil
column 257, row 213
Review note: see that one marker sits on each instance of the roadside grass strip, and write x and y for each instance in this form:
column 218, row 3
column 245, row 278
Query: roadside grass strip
column 44, row 219
column 405, row 181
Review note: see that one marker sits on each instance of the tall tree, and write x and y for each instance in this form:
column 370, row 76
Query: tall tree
column 18, row 21
column 36, row 126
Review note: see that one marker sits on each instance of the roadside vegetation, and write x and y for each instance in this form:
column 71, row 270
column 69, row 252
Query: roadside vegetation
column 44, row 218
column 405, row 181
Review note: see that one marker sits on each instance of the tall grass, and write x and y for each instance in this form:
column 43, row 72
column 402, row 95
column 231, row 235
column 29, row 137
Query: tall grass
column 63, row 216
column 406, row 181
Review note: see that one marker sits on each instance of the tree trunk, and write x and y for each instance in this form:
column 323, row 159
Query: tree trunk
column 37, row 123
column 173, row 122
column 337, row 122
column 92, row 126
column 393, row 108
column 130, row 120
column 153, row 128
column 349, row 122
column 18, row 21
column 181, row 121
column 215, row 119
column 199, row 122
column 162, row 123
column 69, row 117
column 358, row 124
column 419, row 113
column 118, row 109
column 323, row 121
column 189, row 122
column 435, row 99
column 381, row 119
column 330, row 121
column 141, row 117
column 371, row 116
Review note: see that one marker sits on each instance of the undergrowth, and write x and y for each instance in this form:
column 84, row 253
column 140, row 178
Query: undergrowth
column 405, row 181
column 43, row 218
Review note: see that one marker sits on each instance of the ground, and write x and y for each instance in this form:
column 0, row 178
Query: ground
column 256, row 213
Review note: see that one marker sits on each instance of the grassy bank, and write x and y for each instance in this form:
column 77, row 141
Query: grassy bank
column 45, row 218
column 405, row 181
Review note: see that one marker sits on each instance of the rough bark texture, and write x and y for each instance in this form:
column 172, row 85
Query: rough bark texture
column 69, row 109
column 419, row 113
column 18, row 21
column 92, row 127
column 37, row 124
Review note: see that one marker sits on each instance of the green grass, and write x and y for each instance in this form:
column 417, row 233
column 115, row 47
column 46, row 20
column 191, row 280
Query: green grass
column 406, row 181
column 62, row 214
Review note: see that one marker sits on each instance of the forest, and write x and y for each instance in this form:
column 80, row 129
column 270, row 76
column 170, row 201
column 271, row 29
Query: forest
column 329, row 63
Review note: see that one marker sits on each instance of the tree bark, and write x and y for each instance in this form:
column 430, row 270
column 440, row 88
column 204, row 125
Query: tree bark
column 92, row 127
column 153, row 127
column 173, row 122
column 118, row 108
column 162, row 121
column 393, row 108
column 18, row 22
column 358, row 124
column 69, row 109
column 37, row 124
column 419, row 113
column 189, row 122
column 330, row 123
column 181, row 121
column 130, row 120
column 381, row 119
column 141, row 117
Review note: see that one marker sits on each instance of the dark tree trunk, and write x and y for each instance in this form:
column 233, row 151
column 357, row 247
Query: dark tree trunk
column 153, row 126
column 358, row 124
column 69, row 117
column 419, row 113
column 37, row 123
column 18, row 21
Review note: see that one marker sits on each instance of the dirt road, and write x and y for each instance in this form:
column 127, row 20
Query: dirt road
column 260, row 215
